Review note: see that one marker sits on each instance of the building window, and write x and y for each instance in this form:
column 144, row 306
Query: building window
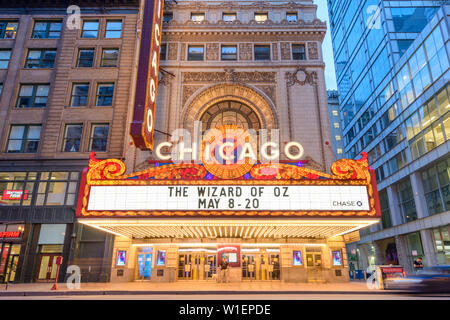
column 336, row 125
column 385, row 211
column 113, row 29
column 90, row 29
column 229, row 53
column 8, row 29
column 229, row 17
column 262, row 52
column 22, row 183
column 406, row 198
column 335, row 113
column 99, row 137
column 291, row 16
column 442, row 244
column 44, row 58
column 72, row 137
column 163, row 52
column 261, row 17
column 1, row 89
column 105, row 93
column 47, row 30
column 338, row 138
column 110, row 58
column 298, row 52
column 57, row 188
column 339, row 151
column 167, row 17
column 5, row 55
column 80, row 93
column 85, row 58
column 432, row 191
column 198, row 16
column 195, row 53
column 33, row 96
column 23, row 139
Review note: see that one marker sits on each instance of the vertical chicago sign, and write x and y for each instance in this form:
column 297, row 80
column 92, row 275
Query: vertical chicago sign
column 142, row 126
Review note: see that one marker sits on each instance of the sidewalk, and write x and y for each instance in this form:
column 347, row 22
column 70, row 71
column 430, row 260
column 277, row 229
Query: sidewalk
column 189, row 288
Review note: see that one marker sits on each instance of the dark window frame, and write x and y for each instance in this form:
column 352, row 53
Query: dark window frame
column 47, row 29
column 42, row 60
column 222, row 53
column 301, row 55
column 163, row 52
column 8, row 60
column 79, row 59
column 83, row 30
column 74, row 140
column 103, row 59
column 258, row 57
column 105, row 138
column 292, row 13
column 113, row 30
column 72, row 95
column 191, row 57
column 33, row 97
column 3, row 29
column 24, row 138
column 103, row 97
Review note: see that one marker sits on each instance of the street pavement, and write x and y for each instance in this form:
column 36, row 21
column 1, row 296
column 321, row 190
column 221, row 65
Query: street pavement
column 206, row 290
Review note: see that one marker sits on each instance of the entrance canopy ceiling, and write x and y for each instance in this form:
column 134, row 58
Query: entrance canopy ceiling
column 225, row 228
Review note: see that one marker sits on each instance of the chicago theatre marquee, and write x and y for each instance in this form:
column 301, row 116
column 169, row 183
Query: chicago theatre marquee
column 228, row 69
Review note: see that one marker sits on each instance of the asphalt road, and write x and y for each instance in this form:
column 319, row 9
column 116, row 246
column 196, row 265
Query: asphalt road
column 243, row 297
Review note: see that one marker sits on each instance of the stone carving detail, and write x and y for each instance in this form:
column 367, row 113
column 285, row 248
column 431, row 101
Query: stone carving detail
column 285, row 50
column 313, row 51
column 212, row 51
column 229, row 76
column 231, row 5
column 275, row 51
column 270, row 91
column 164, row 79
column 173, row 51
column 188, row 91
column 306, row 77
column 245, row 51
column 183, row 52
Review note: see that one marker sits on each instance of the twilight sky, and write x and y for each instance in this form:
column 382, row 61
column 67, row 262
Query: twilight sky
column 330, row 76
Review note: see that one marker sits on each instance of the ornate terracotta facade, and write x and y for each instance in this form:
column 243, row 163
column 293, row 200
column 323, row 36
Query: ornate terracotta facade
column 297, row 107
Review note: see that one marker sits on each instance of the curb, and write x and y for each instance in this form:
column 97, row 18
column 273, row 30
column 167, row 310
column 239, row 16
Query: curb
column 90, row 293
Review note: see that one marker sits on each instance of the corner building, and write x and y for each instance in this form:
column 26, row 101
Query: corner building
column 64, row 92
column 392, row 65
column 253, row 65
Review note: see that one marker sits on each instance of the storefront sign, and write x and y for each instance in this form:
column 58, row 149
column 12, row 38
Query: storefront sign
column 14, row 194
column 142, row 126
column 10, row 234
column 229, row 197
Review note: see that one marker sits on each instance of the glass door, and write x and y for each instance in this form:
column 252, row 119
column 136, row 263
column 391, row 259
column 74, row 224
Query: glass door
column 184, row 266
column 248, row 267
column 48, row 267
column 274, row 267
column 145, row 261
column 210, row 266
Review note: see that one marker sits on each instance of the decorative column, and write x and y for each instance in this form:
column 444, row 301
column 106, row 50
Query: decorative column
column 428, row 247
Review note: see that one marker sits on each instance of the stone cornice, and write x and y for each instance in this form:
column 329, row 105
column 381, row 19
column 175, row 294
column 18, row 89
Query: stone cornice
column 234, row 5
column 315, row 24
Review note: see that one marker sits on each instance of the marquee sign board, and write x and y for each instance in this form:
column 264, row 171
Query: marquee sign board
column 143, row 124
column 269, row 190
column 229, row 197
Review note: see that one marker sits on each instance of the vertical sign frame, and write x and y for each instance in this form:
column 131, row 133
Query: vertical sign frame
column 143, row 123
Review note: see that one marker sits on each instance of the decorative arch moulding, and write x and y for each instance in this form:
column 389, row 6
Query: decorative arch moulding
column 109, row 175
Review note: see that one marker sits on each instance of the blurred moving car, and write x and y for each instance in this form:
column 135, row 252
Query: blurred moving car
column 429, row 279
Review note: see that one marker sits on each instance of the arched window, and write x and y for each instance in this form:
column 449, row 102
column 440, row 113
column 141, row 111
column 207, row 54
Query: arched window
column 230, row 113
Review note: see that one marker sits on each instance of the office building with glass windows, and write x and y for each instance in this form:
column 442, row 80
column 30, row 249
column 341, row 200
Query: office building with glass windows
column 392, row 65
